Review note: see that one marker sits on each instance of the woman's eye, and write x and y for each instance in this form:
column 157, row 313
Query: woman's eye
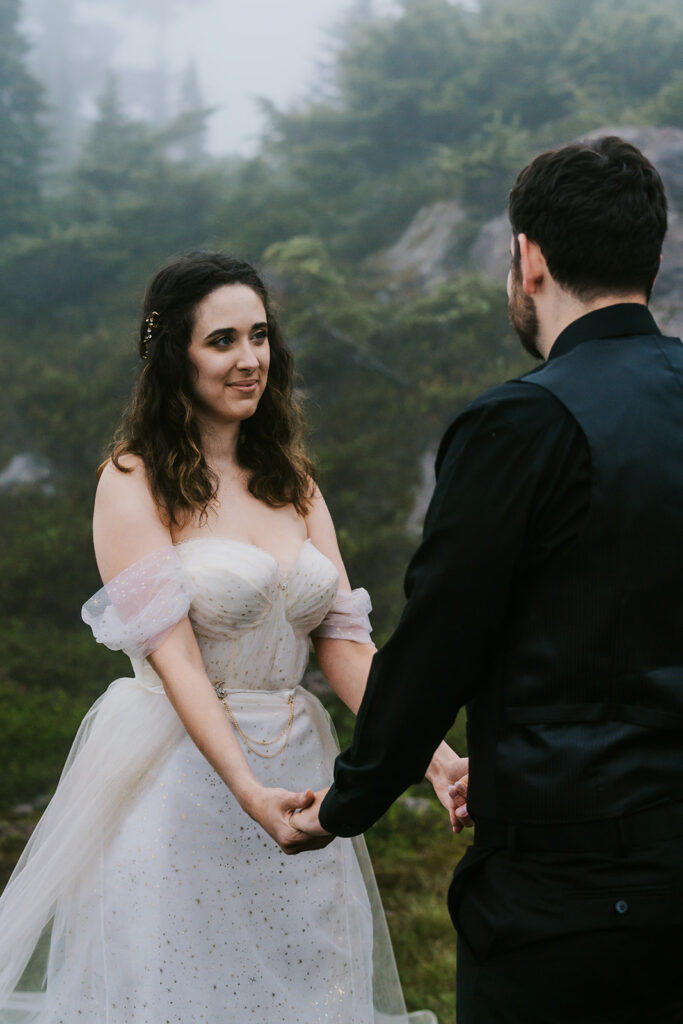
column 261, row 336
column 223, row 342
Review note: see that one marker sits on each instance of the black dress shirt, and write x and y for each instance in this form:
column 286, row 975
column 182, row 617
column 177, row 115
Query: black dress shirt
column 513, row 487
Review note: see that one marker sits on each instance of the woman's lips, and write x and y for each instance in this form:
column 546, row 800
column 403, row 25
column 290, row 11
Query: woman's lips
column 244, row 386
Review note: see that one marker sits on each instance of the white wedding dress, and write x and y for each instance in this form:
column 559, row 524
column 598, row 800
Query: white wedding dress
column 146, row 895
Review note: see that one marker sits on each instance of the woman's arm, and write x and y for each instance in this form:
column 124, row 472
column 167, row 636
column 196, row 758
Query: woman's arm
column 126, row 527
column 346, row 664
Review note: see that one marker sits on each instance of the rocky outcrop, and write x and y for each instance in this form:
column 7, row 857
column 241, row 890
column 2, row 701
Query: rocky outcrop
column 27, row 470
column 423, row 254
column 423, row 493
column 490, row 253
column 436, row 247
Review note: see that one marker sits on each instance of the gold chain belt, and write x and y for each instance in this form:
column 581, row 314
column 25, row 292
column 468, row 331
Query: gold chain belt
column 251, row 743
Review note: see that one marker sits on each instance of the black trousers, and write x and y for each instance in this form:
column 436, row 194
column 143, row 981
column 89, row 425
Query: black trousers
column 589, row 938
column 610, row 977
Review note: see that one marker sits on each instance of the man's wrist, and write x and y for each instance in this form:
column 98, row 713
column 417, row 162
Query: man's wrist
column 326, row 807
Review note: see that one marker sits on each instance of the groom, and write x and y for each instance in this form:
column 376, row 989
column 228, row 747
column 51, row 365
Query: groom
column 547, row 596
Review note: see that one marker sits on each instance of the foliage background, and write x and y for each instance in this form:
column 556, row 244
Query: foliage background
column 432, row 102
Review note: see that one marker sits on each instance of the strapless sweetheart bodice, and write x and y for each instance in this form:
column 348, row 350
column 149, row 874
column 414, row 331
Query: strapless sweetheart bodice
column 251, row 621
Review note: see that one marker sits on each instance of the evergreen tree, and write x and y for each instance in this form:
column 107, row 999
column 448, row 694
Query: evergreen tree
column 20, row 129
column 192, row 117
column 70, row 59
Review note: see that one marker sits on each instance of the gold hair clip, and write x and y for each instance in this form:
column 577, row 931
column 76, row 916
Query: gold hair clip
column 152, row 322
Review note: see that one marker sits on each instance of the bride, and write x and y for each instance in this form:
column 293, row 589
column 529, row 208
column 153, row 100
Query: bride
column 156, row 888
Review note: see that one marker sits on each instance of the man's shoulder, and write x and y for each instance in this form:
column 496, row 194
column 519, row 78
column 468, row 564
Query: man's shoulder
column 519, row 397
column 519, row 407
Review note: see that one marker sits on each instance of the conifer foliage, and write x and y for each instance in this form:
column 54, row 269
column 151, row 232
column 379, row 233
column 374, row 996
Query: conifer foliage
column 21, row 132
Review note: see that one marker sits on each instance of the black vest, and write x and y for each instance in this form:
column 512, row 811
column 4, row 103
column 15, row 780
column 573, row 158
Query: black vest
column 583, row 714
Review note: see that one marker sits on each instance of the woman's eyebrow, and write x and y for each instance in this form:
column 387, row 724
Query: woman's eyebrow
column 221, row 332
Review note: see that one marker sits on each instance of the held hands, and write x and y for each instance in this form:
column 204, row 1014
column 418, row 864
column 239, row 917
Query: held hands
column 291, row 819
column 447, row 773
column 312, row 836
column 281, row 814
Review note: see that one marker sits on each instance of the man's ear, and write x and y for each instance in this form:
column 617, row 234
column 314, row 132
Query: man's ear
column 532, row 264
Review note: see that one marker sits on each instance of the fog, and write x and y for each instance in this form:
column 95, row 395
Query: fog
column 379, row 220
column 166, row 55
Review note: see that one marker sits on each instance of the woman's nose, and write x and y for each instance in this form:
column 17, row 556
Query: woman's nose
column 246, row 356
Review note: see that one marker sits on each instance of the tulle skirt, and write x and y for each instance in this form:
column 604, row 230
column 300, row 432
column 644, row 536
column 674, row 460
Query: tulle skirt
column 147, row 896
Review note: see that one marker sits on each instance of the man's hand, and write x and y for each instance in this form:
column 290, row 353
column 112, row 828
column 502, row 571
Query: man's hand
column 274, row 809
column 445, row 770
column 460, row 819
column 312, row 836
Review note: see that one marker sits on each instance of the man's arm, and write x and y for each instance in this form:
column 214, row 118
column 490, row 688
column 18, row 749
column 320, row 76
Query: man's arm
column 458, row 588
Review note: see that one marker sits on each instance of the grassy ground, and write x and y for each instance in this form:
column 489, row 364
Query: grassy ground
column 13, row 835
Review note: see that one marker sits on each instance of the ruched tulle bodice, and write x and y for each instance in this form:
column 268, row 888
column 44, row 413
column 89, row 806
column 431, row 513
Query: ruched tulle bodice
column 252, row 621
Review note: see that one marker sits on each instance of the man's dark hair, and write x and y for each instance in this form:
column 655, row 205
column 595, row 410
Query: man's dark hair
column 598, row 212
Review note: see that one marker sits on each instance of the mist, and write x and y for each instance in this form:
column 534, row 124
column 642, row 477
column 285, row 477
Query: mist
column 370, row 191
column 168, row 56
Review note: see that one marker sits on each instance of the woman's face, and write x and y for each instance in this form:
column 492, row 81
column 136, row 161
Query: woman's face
column 230, row 353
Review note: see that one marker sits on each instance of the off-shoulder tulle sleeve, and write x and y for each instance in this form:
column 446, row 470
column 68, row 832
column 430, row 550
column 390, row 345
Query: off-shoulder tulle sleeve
column 137, row 609
column 348, row 617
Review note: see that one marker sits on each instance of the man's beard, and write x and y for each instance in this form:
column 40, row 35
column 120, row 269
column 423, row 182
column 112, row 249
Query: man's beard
column 522, row 314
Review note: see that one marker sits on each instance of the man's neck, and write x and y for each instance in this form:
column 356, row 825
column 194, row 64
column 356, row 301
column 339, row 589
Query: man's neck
column 560, row 309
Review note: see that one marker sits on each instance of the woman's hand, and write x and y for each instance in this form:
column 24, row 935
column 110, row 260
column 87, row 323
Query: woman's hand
column 273, row 809
column 445, row 770
column 460, row 819
column 312, row 835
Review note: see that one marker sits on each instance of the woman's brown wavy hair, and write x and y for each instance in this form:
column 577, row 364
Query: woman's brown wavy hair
column 159, row 425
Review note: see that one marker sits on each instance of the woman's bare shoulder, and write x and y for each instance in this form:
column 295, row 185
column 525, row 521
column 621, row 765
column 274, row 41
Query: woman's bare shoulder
column 126, row 465
column 127, row 521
